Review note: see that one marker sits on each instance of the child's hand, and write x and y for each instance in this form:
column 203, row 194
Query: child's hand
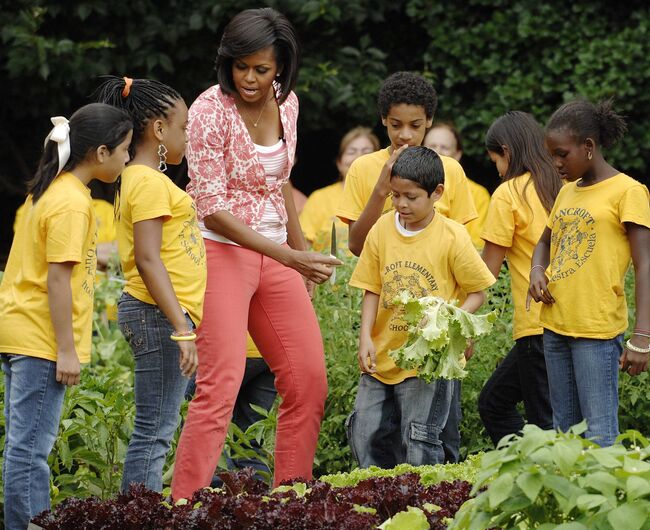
column 189, row 357
column 634, row 363
column 383, row 184
column 67, row 368
column 469, row 351
column 538, row 290
column 367, row 356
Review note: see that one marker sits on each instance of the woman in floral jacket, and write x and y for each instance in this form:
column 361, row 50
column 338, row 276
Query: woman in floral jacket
column 242, row 142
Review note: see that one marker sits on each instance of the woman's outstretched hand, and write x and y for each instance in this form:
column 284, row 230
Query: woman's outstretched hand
column 312, row 265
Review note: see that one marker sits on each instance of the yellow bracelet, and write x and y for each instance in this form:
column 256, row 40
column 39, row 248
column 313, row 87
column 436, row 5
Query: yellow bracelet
column 189, row 336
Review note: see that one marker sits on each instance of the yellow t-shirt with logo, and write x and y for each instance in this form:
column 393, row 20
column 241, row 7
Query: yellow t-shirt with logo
column 516, row 220
column 439, row 261
column 456, row 202
column 590, row 254
column 148, row 194
column 318, row 215
column 481, row 198
column 59, row 228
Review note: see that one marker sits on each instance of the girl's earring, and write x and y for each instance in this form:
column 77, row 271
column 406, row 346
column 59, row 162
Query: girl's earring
column 162, row 154
column 589, row 155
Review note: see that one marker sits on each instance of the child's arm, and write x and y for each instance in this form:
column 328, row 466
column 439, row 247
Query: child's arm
column 59, row 297
column 541, row 258
column 639, row 236
column 367, row 355
column 147, row 239
column 493, row 256
column 358, row 230
column 471, row 305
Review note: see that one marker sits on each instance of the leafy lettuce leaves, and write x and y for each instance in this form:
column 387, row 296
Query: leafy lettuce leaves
column 439, row 333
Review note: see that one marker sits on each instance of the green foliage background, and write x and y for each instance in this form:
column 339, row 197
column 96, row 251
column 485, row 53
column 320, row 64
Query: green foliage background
column 484, row 57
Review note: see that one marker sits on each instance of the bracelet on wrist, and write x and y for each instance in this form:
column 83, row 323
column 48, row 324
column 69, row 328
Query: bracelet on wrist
column 636, row 349
column 637, row 330
column 183, row 336
column 537, row 267
column 641, row 334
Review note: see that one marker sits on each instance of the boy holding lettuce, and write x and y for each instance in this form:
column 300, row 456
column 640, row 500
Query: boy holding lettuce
column 397, row 417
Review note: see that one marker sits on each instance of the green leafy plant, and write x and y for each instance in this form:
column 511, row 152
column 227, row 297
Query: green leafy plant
column 546, row 479
column 439, row 333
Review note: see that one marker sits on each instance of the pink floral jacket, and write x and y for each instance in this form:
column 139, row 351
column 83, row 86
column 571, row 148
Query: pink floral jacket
column 225, row 172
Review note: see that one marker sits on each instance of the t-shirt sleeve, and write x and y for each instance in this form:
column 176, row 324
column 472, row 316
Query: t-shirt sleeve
column 634, row 206
column 366, row 274
column 459, row 203
column 66, row 234
column 311, row 217
column 499, row 226
column 352, row 203
column 471, row 273
column 149, row 199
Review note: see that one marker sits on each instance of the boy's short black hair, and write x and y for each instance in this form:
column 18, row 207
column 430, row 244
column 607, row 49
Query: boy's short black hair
column 421, row 165
column 408, row 88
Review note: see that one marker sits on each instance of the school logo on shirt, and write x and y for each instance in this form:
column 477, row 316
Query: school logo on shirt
column 573, row 240
column 405, row 275
column 90, row 265
column 192, row 240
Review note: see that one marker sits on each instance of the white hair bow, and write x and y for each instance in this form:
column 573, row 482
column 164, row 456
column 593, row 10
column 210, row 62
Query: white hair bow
column 60, row 134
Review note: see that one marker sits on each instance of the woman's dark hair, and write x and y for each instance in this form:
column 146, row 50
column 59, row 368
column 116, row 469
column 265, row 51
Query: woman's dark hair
column 91, row 126
column 585, row 120
column 421, row 165
column 408, row 88
column 142, row 99
column 524, row 138
column 255, row 29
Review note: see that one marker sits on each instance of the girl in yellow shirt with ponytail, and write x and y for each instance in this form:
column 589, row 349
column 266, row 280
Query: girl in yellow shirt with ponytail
column 599, row 223
column 46, row 297
column 163, row 260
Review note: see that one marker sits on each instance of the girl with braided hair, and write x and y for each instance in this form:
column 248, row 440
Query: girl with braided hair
column 163, row 260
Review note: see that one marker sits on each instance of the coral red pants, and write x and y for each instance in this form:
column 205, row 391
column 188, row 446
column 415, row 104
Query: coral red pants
column 246, row 289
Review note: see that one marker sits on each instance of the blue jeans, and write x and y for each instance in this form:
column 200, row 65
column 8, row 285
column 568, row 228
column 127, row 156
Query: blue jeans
column 257, row 388
column 159, row 389
column 450, row 435
column 583, row 383
column 396, row 424
column 520, row 376
column 33, row 405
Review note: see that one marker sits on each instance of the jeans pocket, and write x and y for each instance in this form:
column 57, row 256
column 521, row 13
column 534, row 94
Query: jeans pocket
column 349, row 431
column 133, row 325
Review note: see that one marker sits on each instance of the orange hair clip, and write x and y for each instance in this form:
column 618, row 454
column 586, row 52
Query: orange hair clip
column 127, row 86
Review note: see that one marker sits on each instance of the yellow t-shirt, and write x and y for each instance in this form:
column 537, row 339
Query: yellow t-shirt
column 318, row 215
column 440, row 261
column 103, row 213
column 59, row 228
column 481, row 198
column 590, row 254
column 251, row 350
column 149, row 194
column 516, row 220
column 456, row 202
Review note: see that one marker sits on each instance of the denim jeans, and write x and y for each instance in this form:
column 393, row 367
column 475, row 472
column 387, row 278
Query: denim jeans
column 583, row 383
column 396, row 424
column 257, row 388
column 521, row 376
column 159, row 390
column 33, row 405
column 450, row 435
